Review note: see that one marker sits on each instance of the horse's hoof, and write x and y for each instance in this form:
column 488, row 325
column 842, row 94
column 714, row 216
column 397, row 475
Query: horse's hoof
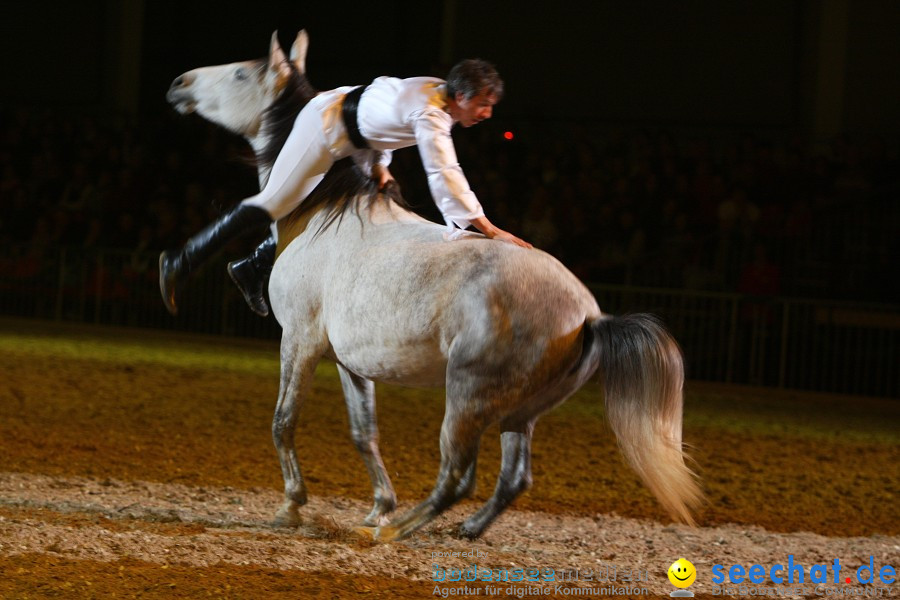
column 465, row 533
column 287, row 519
column 386, row 533
column 370, row 533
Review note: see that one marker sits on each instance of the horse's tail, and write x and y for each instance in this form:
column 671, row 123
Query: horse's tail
column 643, row 373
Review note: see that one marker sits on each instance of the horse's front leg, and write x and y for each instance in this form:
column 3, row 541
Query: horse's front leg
column 359, row 394
column 296, row 376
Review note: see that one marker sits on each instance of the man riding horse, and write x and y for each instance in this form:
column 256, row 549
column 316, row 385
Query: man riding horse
column 367, row 123
column 509, row 333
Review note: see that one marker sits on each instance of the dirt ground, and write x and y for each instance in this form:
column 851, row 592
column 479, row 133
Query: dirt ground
column 138, row 465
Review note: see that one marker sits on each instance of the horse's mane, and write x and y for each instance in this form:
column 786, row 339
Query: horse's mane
column 278, row 119
column 344, row 187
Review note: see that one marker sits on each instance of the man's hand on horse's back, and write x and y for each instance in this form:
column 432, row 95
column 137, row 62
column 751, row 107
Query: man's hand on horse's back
column 506, row 236
column 484, row 225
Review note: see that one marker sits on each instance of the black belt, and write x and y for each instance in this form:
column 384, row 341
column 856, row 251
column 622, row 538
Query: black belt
column 351, row 120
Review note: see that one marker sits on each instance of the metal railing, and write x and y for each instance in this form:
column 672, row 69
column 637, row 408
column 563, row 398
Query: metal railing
column 817, row 345
column 116, row 287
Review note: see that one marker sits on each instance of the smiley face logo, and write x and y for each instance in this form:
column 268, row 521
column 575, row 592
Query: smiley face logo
column 682, row 573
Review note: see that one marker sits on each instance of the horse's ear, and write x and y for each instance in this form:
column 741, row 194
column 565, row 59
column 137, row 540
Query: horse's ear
column 277, row 59
column 298, row 51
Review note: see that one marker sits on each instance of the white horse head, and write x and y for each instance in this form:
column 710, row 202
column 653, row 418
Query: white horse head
column 236, row 96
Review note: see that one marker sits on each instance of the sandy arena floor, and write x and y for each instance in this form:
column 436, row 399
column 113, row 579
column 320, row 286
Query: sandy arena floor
column 137, row 465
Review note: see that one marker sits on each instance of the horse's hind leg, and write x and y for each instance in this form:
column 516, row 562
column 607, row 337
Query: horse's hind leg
column 359, row 394
column 296, row 375
column 460, row 436
column 514, row 478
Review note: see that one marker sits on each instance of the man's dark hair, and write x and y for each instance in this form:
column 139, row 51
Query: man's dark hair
column 472, row 77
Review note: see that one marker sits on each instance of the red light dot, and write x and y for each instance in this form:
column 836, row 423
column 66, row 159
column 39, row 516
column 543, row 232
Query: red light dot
column 848, row 580
column 508, row 135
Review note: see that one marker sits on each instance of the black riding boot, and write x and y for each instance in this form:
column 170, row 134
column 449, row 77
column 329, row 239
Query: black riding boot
column 250, row 274
column 176, row 265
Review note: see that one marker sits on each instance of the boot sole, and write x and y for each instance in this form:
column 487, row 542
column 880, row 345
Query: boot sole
column 241, row 288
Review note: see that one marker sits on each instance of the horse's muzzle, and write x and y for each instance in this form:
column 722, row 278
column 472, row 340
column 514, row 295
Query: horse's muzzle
column 179, row 95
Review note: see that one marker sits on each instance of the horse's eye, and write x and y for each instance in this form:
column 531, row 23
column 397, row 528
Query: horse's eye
column 240, row 74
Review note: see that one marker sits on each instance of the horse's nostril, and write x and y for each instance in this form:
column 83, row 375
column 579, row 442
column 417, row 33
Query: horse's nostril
column 182, row 81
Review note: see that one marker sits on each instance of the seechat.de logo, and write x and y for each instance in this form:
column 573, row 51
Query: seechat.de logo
column 793, row 572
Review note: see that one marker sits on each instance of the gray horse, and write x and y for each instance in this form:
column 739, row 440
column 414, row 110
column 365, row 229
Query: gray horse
column 509, row 332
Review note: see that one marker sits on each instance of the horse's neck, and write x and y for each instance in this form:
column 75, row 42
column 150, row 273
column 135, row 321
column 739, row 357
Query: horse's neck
column 293, row 226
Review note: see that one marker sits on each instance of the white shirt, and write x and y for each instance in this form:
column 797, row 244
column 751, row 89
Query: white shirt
column 398, row 113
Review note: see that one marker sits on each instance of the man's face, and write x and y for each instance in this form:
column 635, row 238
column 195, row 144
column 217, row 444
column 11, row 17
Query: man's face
column 475, row 109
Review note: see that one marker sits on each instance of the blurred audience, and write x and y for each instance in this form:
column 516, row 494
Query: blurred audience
column 643, row 208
